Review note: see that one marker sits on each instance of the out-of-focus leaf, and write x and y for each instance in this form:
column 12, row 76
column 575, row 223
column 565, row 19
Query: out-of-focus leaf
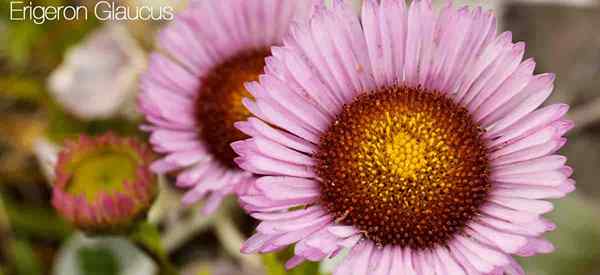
column 62, row 125
column 36, row 221
column 204, row 271
column 147, row 237
column 576, row 240
column 272, row 265
column 307, row 268
column 21, row 88
column 25, row 260
column 97, row 261
column 22, row 38
column 40, row 47
column 275, row 265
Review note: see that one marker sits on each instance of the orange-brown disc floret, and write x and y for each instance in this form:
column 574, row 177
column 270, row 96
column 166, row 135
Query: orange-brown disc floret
column 406, row 166
column 219, row 103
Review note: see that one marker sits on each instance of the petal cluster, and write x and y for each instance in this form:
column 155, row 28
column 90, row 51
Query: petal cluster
column 202, row 37
column 335, row 56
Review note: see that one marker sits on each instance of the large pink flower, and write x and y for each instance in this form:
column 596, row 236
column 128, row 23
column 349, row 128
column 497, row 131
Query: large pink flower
column 192, row 91
column 412, row 138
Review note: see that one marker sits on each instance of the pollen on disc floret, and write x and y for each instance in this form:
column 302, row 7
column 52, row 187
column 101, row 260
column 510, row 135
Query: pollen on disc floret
column 404, row 165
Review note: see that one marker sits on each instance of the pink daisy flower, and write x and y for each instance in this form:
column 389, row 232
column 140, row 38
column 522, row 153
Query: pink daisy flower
column 191, row 94
column 414, row 139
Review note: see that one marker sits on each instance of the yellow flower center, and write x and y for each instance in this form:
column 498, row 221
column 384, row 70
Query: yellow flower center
column 404, row 165
column 102, row 171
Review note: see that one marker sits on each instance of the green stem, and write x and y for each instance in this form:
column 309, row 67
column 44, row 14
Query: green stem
column 147, row 238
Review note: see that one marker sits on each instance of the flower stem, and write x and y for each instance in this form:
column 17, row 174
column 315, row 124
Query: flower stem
column 147, row 238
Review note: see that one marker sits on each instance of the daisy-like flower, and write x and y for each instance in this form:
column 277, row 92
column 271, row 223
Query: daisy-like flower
column 103, row 183
column 414, row 139
column 191, row 96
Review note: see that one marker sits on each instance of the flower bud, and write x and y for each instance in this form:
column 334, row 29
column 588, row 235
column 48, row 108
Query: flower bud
column 104, row 184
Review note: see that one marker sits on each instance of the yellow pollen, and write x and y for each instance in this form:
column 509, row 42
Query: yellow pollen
column 404, row 156
column 404, row 165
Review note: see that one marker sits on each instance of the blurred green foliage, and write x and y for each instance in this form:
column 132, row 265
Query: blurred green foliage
column 275, row 265
column 97, row 261
column 34, row 221
column 147, row 237
column 37, row 48
column 62, row 125
column 576, row 238
column 25, row 260
column 28, row 54
column 31, row 53
column 20, row 88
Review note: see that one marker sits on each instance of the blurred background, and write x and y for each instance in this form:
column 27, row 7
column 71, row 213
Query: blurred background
column 63, row 78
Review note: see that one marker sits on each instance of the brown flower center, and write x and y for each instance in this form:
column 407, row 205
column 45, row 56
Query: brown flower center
column 404, row 165
column 219, row 103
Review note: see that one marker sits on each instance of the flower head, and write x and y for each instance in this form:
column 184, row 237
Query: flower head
column 103, row 183
column 192, row 102
column 412, row 138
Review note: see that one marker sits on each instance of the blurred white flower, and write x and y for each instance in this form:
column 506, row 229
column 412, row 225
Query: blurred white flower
column 99, row 77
